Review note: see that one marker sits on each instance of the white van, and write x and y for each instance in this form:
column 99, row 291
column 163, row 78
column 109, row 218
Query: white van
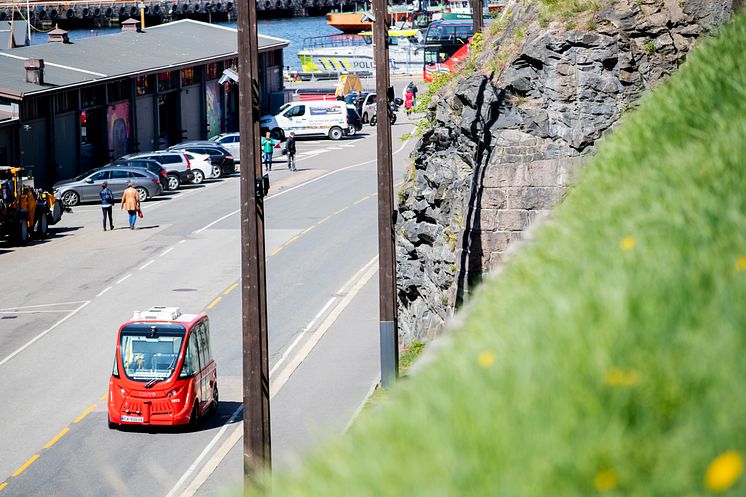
column 312, row 117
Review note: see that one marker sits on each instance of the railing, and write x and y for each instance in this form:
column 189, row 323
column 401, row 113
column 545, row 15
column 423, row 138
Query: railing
column 341, row 40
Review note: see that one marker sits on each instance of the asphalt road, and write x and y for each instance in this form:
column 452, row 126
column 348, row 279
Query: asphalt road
column 64, row 298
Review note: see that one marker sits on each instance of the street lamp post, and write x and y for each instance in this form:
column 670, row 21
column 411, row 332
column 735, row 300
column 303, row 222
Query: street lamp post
column 388, row 328
column 256, row 429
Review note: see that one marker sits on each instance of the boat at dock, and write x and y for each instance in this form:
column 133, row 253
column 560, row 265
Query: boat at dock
column 339, row 54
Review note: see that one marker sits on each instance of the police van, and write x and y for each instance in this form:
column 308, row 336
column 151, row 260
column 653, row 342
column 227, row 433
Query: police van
column 311, row 117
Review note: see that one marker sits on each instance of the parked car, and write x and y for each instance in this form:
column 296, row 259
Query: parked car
column 86, row 187
column 151, row 165
column 177, row 165
column 354, row 121
column 360, row 100
column 201, row 165
column 231, row 142
column 221, row 160
column 368, row 108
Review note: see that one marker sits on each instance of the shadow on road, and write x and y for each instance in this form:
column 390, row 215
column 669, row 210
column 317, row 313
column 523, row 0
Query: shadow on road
column 210, row 421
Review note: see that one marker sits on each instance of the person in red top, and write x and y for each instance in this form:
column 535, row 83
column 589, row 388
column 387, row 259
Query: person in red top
column 409, row 101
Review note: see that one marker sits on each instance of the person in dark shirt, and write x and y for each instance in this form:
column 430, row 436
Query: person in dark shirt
column 290, row 148
column 107, row 203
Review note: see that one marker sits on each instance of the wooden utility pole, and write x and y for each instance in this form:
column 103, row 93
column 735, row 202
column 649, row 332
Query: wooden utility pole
column 476, row 15
column 388, row 325
column 256, row 432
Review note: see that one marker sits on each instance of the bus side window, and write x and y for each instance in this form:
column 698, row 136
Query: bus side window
column 191, row 360
column 208, row 347
column 203, row 359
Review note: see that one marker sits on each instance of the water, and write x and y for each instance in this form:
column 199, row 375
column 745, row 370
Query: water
column 294, row 29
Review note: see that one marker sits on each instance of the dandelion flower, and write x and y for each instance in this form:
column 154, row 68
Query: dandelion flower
column 724, row 471
column 741, row 263
column 621, row 378
column 628, row 243
column 605, row 480
column 486, row 359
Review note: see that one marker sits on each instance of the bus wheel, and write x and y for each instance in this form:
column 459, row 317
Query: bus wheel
column 194, row 419
column 215, row 399
column 277, row 134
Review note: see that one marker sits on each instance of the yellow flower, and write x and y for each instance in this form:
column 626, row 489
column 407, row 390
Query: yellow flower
column 627, row 243
column 724, row 471
column 486, row 359
column 605, row 480
column 741, row 263
column 621, row 377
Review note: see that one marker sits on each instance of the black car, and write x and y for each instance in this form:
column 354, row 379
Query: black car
column 222, row 161
column 150, row 165
column 354, row 122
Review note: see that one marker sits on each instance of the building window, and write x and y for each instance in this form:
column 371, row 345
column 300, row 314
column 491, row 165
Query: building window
column 144, row 85
column 119, row 90
column 168, row 80
column 66, row 101
column 213, row 70
column 33, row 108
column 93, row 96
column 190, row 76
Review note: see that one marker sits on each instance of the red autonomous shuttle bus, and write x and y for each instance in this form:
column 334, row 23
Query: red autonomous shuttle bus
column 164, row 373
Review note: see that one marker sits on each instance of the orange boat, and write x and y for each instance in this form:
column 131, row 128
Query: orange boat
column 348, row 22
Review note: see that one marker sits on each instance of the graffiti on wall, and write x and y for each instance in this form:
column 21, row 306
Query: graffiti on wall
column 213, row 109
column 118, row 121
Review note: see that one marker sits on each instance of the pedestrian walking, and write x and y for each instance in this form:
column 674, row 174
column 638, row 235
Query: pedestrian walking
column 131, row 203
column 107, row 203
column 290, row 150
column 409, row 102
column 268, row 149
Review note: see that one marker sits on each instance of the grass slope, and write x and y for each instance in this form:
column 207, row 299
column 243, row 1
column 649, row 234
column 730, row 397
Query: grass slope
column 610, row 356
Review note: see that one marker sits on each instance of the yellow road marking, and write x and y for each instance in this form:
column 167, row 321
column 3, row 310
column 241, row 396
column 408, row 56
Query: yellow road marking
column 307, row 230
column 361, row 200
column 323, row 220
column 340, row 211
column 25, row 465
column 277, row 250
column 230, row 288
column 3, row 485
column 214, row 302
column 56, row 439
column 292, row 240
column 84, row 414
column 103, row 397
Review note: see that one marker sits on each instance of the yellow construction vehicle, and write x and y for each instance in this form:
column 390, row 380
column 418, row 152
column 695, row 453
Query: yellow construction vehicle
column 24, row 210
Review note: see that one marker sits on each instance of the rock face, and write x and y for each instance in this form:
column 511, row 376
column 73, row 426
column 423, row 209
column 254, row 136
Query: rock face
column 503, row 147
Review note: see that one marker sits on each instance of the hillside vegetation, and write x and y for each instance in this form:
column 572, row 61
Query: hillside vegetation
column 609, row 356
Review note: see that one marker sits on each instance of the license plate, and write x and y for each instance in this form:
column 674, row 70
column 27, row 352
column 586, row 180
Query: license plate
column 132, row 419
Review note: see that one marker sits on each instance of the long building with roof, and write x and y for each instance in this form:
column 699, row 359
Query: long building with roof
column 68, row 107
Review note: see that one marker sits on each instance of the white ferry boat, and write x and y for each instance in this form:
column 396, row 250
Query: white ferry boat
column 354, row 53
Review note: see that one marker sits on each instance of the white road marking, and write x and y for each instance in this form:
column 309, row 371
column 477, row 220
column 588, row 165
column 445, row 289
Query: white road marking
column 123, row 278
column 104, row 291
column 151, row 261
column 36, row 312
column 283, row 192
column 40, row 335
column 204, row 453
column 168, row 250
column 355, row 284
column 217, row 221
column 42, row 305
column 182, row 241
column 362, row 404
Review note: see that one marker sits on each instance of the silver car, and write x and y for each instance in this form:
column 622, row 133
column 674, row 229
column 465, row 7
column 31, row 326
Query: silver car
column 86, row 187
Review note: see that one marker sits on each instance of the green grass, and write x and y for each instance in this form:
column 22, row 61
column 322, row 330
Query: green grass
column 609, row 357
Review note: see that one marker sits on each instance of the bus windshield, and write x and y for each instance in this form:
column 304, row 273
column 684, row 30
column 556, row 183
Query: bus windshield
column 151, row 352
